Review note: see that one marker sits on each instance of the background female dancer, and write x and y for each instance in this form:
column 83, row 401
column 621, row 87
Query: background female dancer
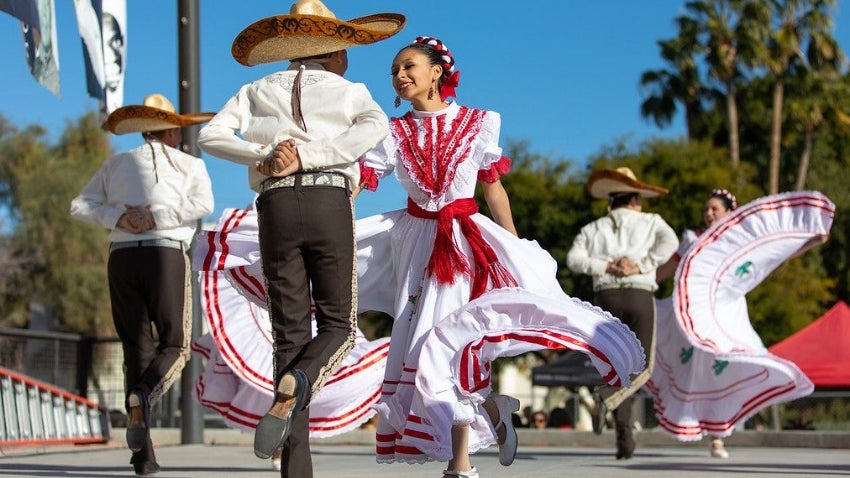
column 712, row 371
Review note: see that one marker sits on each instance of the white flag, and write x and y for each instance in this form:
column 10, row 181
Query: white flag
column 102, row 25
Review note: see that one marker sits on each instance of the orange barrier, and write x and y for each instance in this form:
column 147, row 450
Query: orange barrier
column 35, row 412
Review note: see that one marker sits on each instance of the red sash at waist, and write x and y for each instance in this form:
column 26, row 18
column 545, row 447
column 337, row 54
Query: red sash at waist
column 447, row 260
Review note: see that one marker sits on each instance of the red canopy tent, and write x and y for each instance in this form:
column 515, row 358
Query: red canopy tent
column 822, row 348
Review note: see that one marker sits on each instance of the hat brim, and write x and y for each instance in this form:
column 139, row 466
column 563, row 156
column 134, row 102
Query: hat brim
column 286, row 37
column 140, row 118
column 602, row 184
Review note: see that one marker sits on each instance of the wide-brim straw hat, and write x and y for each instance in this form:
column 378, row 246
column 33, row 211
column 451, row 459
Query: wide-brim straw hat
column 155, row 113
column 607, row 182
column 310, row 29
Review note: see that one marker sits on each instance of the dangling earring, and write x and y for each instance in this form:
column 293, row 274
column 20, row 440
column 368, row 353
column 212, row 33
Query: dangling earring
column 397, row 101
column 431, row 93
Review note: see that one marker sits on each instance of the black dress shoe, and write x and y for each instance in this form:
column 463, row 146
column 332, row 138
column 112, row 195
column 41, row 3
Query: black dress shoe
column 625, row 454
column 274, row 428
column 138, row 425
column 146, row 468
column 625, row 443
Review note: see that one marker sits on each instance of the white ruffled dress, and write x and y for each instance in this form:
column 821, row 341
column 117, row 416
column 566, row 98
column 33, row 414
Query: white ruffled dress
column 712, row 370
column 442, row 344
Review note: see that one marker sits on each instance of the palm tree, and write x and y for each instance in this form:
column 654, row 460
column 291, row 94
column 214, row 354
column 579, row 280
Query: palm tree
column 796, row 22
column 731, row 31
column 663, row 88
column 820, row 97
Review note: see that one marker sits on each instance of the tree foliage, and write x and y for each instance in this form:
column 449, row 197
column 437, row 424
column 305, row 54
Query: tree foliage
column 60, row 262
column 545, row 203
column 792, row 98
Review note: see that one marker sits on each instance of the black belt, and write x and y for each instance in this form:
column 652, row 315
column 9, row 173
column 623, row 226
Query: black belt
column 147, row 243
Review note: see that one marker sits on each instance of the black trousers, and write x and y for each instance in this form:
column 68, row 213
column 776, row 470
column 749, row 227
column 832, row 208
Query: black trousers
column 636, row 309
column 150, row 293
column 307, row 250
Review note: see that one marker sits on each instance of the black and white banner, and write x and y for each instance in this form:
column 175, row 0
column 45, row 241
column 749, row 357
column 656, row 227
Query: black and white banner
column 103, row 30
column 38, row 25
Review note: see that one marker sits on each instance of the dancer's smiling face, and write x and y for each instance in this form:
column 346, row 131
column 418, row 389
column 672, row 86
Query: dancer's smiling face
column 414, row 75
column 714, row 211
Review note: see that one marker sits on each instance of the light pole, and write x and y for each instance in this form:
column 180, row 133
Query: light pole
column 189, row 87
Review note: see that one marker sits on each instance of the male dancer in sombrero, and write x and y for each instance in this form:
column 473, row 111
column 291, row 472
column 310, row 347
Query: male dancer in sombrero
column 300, row 132
column 621, row 251
column 151, row 197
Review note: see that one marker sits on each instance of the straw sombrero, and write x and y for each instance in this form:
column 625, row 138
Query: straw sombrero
column 605, row 182
column 155, row 113
column 310, row 29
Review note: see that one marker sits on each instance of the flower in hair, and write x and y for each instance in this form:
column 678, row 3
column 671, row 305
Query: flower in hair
column 726, row 194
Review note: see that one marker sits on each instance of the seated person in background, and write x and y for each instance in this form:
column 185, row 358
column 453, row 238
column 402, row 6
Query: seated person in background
column 561, row 418
column 539, row 420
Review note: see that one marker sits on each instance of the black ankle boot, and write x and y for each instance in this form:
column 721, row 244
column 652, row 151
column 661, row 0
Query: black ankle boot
column 625, row 444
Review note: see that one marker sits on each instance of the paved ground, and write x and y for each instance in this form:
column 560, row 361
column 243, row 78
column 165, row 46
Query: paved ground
column 233, row 458
column 232, row 461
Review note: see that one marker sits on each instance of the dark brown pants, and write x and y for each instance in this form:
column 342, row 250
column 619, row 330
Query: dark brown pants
column 636, row 309
column 151, row 308
column 307, row 252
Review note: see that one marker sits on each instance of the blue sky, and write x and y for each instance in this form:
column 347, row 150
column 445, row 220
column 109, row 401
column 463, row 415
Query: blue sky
column 563, row 74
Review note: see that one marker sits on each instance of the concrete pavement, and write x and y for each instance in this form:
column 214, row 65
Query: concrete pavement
column 230, row 455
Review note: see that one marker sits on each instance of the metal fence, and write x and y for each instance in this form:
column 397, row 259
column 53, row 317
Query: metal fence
column 92, row 367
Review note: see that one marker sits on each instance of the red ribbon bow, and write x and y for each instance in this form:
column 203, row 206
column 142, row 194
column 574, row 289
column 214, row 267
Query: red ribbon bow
column 449, row 84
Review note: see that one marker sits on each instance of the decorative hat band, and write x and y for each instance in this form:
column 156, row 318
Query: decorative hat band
column 155, row 113
column 285, row 37
column 310, row 29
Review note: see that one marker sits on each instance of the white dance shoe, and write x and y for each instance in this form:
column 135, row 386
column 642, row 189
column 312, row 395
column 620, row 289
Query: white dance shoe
column 507, row 406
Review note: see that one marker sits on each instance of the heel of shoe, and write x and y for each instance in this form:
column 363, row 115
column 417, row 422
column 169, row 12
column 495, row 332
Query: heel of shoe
column 507, row 406
column 134, row 400
column 288, row 385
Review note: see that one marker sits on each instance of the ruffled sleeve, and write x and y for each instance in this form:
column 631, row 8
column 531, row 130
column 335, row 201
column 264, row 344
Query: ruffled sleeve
column 368, row 177
column 493, row 165
column 377, row 163
column 496, row 171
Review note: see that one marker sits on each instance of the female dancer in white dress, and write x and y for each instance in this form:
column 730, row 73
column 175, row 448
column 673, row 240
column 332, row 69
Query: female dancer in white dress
column 712, row 370
column 463, row 289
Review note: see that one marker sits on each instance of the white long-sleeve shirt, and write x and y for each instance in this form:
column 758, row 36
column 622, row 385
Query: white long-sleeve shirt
column 643, row 237
column 343, row 122
column 174, row 184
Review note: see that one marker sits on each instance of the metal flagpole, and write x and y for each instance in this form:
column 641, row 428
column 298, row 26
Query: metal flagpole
column 189, row 86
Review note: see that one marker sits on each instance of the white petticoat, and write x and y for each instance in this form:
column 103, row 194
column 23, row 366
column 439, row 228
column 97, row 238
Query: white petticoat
column 237, row 377
column 712, row 370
